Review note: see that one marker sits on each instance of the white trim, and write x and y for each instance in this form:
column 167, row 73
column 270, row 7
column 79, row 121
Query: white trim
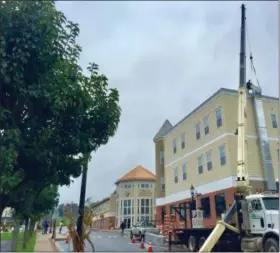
column 217, row 185
column 211, row 142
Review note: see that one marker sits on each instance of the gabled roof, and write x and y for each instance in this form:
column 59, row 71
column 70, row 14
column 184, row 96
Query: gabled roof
column 138, row 173
column 166, row 127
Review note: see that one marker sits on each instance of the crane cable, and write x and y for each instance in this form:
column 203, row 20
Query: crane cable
column 253, row 70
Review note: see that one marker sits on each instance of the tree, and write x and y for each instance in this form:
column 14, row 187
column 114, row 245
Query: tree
column 35, row 206
column 51, row 113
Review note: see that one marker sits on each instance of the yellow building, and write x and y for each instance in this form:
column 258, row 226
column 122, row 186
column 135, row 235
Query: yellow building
column 135, row 197
column 104, row 213
column 201, row 150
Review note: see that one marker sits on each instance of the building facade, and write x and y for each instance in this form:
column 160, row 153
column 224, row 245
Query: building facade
column 201, row 151
column 105, row 213
column 135, row 197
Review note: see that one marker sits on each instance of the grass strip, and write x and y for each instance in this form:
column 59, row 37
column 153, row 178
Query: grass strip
column 30, row 243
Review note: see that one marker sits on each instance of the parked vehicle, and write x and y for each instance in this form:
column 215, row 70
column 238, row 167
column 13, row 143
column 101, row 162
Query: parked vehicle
column 140, row 228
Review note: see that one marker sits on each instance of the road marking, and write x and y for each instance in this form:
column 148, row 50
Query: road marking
column 109, row 236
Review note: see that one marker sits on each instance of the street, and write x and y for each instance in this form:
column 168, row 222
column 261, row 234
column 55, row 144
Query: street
column 110, row 241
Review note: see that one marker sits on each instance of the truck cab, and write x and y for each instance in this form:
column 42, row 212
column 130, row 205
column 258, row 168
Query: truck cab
column 263, row 220
column 263, row 213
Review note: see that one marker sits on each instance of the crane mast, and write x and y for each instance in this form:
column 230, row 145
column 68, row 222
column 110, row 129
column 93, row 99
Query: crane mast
column 242, row 181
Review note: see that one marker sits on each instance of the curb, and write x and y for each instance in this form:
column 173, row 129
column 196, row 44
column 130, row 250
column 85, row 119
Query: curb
column 53, row 245
column 59, row 249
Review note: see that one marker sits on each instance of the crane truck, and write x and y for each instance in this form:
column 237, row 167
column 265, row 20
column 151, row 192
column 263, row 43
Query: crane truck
column 252, row 222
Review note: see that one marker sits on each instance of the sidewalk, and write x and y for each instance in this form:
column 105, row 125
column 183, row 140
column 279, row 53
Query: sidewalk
column 44, row 243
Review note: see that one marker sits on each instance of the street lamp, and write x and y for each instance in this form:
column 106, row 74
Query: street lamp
column 192, row 204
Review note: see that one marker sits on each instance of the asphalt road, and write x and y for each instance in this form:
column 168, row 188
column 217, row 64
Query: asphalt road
column 111, row 241
column 5, row 245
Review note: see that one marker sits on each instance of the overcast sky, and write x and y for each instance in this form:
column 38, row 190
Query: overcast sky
column 165, row 58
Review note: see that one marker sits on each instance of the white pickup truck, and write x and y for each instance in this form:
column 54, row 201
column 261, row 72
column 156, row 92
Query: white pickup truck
column 140, row 228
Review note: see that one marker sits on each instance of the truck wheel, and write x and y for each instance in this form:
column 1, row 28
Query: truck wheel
column 201, row 242
column 192, row 244
column 271, row 245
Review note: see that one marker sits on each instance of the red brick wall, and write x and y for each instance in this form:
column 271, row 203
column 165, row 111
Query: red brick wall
column 105, row 223
column 208, row 222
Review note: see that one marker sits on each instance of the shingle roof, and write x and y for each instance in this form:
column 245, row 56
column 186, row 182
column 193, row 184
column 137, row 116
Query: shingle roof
column 138, row 173
column 166, row 127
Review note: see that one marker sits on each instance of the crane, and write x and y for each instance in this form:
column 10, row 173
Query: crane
column 240, row 208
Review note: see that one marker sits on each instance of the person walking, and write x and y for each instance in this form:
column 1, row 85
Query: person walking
column 122, row 227
column 44, row 225
column 60, row 227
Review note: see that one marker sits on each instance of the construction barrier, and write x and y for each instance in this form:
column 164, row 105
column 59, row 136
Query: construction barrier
column 155, row 239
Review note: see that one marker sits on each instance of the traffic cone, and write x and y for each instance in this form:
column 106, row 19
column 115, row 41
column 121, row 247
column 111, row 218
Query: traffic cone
column 150, row 248
column 133, row 239
column 142, row 246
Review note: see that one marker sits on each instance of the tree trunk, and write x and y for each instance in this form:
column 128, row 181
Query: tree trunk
column 15, row 236
column 31, row 227
column 26, row 234
column 54, row 230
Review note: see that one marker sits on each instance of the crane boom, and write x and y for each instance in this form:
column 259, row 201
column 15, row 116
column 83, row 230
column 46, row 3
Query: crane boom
column 242, row 181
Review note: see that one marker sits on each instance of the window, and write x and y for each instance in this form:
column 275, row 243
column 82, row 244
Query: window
column 200, row 164
column 144, row 186
column 145, row 209
column 183, row 143
column 172, row 210
column 219, row 120
column 127, row 186
column 174, row 146
column 184, row 171
column 176, row 175
column 161, row 157
column 206, row 208
column 271, row 203
column 273, row 120
column 162, row 183
column 182, row 207
column 163, row 213
column 209, row 160
column 220, row 204
column 222, row 151
column 206, row 124
column 256, row 205
column 127, row 207
column 197, row 130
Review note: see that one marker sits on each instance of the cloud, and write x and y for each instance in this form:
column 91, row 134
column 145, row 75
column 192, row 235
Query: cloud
column 165, row 58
